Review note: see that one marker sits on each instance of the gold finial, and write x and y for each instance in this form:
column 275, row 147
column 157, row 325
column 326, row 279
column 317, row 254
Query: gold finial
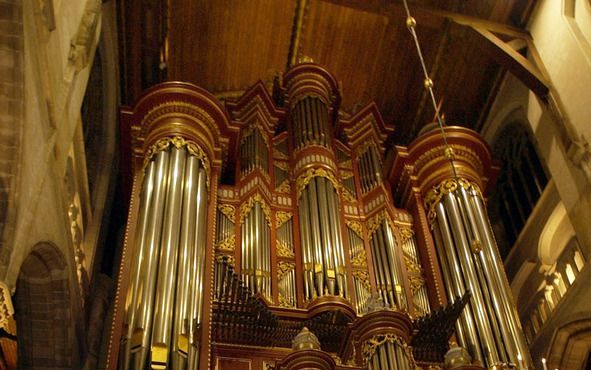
column 305, row 59
column 411, row 22
column 449, row 153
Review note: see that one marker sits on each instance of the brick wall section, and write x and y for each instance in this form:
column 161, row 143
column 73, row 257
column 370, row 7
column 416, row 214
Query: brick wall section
column 11, row 118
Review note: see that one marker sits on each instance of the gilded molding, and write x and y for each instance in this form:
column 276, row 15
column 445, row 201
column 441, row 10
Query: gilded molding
column 179, row 142
column 183, row 109
column 281, row 218
column 460, row 151
column 228, row 211
column 305, row 178
column 246, row 207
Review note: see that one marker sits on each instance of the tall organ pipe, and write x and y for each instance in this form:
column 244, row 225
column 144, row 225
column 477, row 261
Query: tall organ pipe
column 321, row 239
column 387, row 265
column 163, row 315
column 256, row 251
column 467, row 240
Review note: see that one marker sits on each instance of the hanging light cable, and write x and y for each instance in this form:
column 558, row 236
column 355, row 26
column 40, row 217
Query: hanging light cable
column 411, row 24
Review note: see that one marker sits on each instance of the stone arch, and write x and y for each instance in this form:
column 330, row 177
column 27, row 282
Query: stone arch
column 44, row 312
column 571, row 344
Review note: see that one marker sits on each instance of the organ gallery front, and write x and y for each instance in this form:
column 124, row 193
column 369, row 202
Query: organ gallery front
column 276, row 232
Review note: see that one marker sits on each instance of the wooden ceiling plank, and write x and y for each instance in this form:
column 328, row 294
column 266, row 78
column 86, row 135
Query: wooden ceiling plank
column 516, row 63
column 430, row 16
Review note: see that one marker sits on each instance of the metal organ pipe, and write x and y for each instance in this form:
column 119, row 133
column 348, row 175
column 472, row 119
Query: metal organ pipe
column 165, row 295
column 448, row 254
column 468, row 252
column 255, row 242
column 389, row 354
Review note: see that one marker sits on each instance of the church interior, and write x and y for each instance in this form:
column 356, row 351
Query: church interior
column 298, row 184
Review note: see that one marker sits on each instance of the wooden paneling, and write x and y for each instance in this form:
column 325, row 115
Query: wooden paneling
column 228, row 45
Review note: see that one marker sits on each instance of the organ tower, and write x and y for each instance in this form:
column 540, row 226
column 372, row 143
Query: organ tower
column 276, row 232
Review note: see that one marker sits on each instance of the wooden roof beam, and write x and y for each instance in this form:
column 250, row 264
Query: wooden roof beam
column 505, row 54
column 430, row 16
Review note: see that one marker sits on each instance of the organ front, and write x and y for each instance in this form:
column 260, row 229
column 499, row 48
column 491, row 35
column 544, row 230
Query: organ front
column 275, row 231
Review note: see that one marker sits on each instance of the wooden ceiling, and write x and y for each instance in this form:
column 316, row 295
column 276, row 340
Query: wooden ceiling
column 225, row 46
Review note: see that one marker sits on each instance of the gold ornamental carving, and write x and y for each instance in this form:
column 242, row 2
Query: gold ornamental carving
column 406, row 233
column 6, row 309
column 284, row 268
column 283, row 250
column 360, row 259
column 347, row 196
column 461, row 151
column 284, row 187
column 374, row 223
column 371, row 345
column 363, row 277
column 305, row 178
column 445, row 187
column 228, row 244
column 247, row 206
column 281, row 218
column 411, row 266
column 179, row 142
column 416, row 283
column 228, row 211
column 356, row 227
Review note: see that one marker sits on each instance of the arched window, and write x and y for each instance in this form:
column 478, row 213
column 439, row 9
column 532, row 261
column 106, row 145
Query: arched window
column 48, row 336
column 520, row 184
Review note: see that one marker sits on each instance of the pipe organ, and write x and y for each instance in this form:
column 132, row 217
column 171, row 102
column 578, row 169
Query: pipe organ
column 263, row 221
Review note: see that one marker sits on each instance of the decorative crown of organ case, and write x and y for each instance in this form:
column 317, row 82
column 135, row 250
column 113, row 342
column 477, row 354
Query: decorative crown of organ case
column 303, row 261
